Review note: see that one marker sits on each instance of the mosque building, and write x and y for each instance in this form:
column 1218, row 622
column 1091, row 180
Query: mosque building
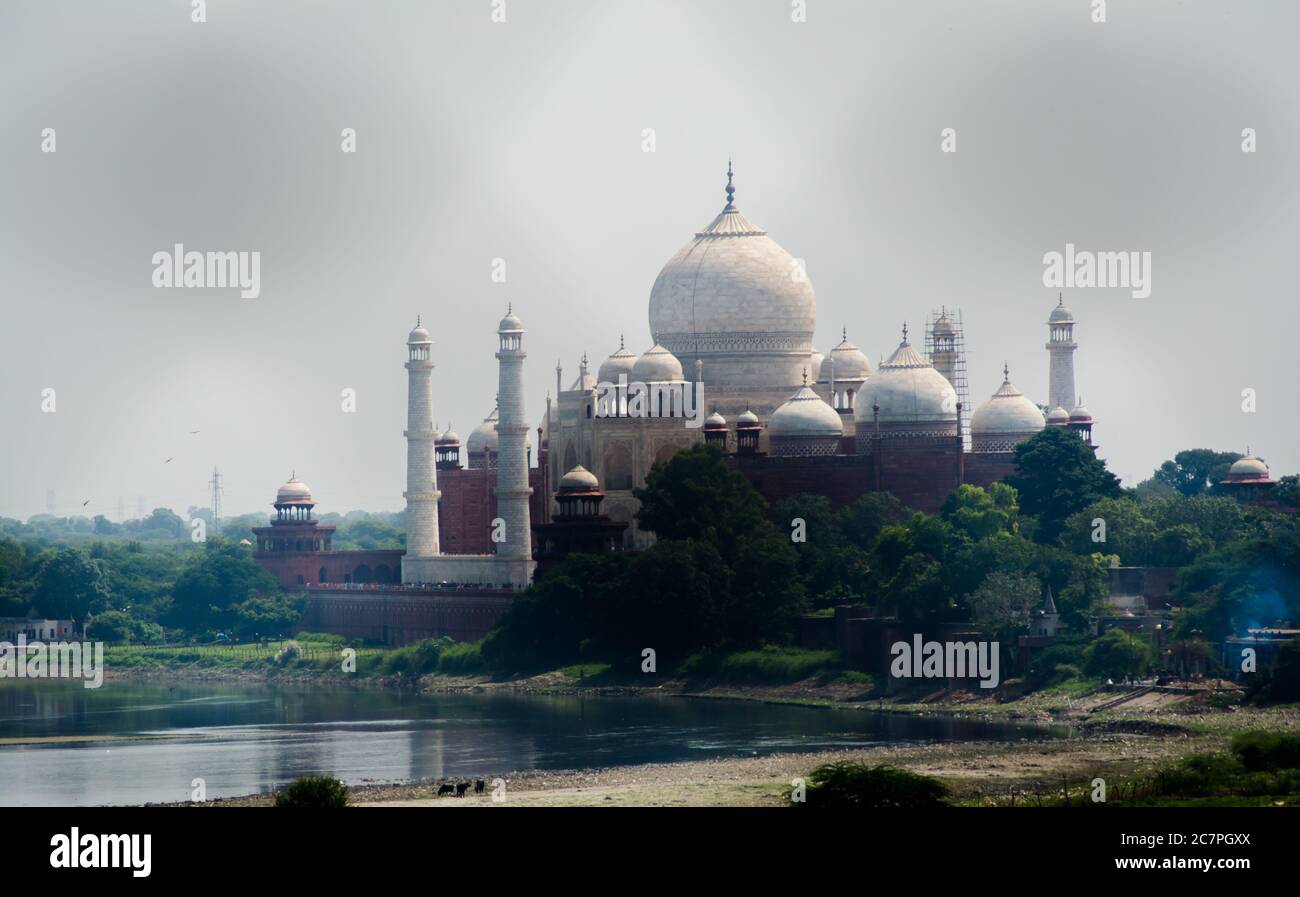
column 731, row 362
column 732, row 316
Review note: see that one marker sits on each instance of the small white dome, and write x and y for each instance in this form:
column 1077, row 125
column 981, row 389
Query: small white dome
column 293, row 491
column 580, row 479
column 621, row 362
column 1249, row 466
column 658, row 366
column 449, row 437
column 1080, row 413
column 908, row 390
column 510, row 323
column 1006, row 412
column 484, row 436
column 846, row 361
column 1061, row 314
column 419, row 336
column 805, row 414
column 715, row 421
column 1058, row 416
column 747, row 418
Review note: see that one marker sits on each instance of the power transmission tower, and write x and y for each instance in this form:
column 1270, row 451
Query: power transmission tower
column 215, row 485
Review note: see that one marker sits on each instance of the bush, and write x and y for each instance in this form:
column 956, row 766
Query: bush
column 314, row 791
column 769, row 664
column 462, row 659
column 416, row 659
column 855, row 784
column 1267, row 751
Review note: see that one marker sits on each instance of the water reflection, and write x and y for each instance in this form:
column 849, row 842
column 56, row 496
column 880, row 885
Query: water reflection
column 245, row 738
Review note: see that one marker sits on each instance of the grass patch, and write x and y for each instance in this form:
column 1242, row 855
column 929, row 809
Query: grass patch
column 769, row 665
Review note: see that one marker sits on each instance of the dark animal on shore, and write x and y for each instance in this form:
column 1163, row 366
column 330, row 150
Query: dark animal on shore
column 445, row 789
column 461, row 788
column 478, row 786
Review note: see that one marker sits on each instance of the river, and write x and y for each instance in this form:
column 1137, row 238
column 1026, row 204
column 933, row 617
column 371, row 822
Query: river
column 133, row 743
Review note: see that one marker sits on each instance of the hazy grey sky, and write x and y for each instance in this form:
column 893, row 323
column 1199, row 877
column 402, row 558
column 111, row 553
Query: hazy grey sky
column 523, row 140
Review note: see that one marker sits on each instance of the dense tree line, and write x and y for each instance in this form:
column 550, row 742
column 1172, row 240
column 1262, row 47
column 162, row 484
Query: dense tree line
column 727, row 572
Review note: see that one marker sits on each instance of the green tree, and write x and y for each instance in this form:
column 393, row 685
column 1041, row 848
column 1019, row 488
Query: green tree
column 1125, row 530
column 1117, row 654
column 1003, row 606
column 980, row 513
column 1193, row 471
column 1057, row 474
column 69, row 585
column 215, row 580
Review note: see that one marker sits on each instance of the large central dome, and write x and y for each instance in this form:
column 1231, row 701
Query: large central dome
column 734, row 299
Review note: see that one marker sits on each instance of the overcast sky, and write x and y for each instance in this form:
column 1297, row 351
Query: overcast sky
column 523, row 140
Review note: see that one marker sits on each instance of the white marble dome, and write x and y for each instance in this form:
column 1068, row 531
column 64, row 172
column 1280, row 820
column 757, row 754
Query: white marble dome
column 510, row 323
column 579, row 479
column 1058, row 416
column 1061, row 314
column 293, row 492
column 484, row 437
column 1006, row 414
column 846, row 361
column 909, row 391
column 419, row 335
column 620, row 362
column 805, row 414
column 657, row 366
column 1248, row 467
column 733, row 298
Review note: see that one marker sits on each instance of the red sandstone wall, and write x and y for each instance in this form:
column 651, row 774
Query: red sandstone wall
column 469, row 505
column 399, row 617
column 340, row 566
column 985, row 469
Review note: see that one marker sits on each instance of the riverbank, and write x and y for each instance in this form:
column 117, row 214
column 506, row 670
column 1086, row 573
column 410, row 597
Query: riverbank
column 978, row 773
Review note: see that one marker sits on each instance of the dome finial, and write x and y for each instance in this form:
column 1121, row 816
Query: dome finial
column 1060, row 300
column 1006, row 374
column 417, row 320
column 621, row 347
column 510, row 308
column 805, row 376
column 731, row 189
column 904, row 332
column 844, row 332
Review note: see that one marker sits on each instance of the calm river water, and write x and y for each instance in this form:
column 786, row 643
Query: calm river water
column 243, row 738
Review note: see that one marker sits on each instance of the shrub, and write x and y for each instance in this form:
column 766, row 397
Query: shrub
column 462, row 659
column 1267, row 751
column 314, row 791
column 769, row 664
column 855, row 784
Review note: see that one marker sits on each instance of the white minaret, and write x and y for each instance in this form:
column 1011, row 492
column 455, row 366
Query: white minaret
column 512, row 436
column 1061, row 346
column 421, row 472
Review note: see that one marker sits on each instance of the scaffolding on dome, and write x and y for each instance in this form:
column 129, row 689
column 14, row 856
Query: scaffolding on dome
column 948, row 354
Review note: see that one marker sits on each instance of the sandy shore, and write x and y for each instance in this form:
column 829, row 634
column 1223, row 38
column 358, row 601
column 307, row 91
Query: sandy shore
column 973, row 770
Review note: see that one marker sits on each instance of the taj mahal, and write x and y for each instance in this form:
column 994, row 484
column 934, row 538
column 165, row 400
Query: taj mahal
column 732, row 316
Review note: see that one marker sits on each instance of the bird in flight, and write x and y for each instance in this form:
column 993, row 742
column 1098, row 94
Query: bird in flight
column 86, row 502
column 169, row 460
column 192, row 432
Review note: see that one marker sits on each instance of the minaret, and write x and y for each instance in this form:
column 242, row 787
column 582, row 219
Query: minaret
column 512, row 437
column 1061, row 346
column 421, row 473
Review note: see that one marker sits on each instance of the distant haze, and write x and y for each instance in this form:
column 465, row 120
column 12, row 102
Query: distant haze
column 523, row 141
